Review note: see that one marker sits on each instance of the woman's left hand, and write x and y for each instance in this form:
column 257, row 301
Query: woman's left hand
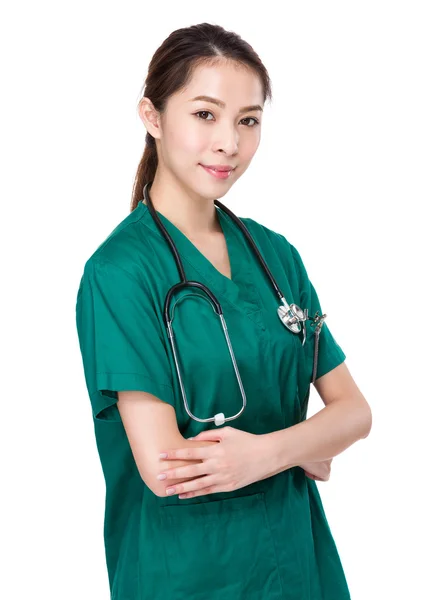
column 240, row 458
column 318, row 471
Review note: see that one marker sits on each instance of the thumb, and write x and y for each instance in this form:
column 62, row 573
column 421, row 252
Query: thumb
column 210, row 434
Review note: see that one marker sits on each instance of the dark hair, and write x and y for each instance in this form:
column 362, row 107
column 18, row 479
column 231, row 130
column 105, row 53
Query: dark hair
column 171, row 69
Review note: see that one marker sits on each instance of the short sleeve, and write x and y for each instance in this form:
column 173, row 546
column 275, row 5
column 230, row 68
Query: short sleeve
column 121, row 341
column 330, row 354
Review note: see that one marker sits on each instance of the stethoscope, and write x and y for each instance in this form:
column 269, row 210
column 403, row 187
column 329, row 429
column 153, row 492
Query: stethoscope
column 291, row 316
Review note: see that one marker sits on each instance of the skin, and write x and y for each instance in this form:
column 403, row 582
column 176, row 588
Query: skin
column 182, row 190
column 192, row 132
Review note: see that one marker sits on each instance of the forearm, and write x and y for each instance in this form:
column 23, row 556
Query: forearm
column 324, row 435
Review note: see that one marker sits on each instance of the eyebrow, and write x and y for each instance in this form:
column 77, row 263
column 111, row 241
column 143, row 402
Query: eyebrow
column 222, row 104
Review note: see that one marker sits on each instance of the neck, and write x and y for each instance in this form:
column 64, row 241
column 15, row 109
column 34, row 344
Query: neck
column 194, row 215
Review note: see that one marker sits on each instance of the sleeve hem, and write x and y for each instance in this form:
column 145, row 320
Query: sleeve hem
column 329, row 362
column 108, row 384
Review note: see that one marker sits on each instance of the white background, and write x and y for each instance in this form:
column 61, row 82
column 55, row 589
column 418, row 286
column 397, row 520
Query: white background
column 338, row 172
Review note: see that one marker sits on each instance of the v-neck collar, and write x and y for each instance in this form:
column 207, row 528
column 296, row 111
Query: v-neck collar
column 239, row 287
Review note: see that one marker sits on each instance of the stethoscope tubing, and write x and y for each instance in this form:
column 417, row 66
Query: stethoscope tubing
column 285, row 311
column 238, row 222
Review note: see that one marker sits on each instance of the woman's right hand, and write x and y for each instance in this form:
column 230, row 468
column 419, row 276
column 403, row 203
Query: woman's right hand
column 318, row 471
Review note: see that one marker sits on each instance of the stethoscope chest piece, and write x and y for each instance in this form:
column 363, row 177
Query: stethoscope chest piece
column 292, row 316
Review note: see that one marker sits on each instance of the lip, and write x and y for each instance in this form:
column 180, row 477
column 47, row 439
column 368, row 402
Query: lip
column 218, row 167
column 221, row 173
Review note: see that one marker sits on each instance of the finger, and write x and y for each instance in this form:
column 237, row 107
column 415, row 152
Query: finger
column 192, row 453
column 212, row 435
column 183, row 472
column 192, row 486
column 314, row 477
column 216, row 435
column 209, row 490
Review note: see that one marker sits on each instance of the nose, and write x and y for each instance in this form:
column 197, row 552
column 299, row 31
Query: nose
column 227, row 140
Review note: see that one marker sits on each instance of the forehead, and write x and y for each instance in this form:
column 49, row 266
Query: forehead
column 232, row 83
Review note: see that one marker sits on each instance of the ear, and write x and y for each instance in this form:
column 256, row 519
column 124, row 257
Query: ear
column 150, row 117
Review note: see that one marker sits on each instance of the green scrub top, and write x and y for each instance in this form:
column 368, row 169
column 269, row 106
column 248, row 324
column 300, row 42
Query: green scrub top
column 268, row 540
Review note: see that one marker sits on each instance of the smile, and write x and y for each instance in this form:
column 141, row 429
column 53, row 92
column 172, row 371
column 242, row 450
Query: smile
column 218, row 174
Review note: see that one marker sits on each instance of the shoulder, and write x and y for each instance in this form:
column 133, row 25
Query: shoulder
column 269, row 238
column 281, row 257
column 124, row 250
column 277, row 249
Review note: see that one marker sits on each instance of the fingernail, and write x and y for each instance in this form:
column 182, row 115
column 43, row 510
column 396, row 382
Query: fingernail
column 170, row 491
column 163, row 455
column 161, row 476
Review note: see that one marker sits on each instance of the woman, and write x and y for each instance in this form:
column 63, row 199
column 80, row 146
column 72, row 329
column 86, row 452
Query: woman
column 245, row 519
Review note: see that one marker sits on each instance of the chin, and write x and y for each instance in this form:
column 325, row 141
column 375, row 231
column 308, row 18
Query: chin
column 214, row 192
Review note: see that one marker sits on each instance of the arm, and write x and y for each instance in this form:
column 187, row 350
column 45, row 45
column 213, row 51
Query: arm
column 345, row 419
column 150, row 425
column 318, row 470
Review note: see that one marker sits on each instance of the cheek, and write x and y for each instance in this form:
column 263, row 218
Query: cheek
column 251, row 146
column 247, row 151
column 195, row 143
column 189, row 141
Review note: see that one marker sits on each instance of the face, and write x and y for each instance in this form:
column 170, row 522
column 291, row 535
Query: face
column 192, row 133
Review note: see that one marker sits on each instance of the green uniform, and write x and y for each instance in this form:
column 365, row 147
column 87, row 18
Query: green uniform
column 269, row 540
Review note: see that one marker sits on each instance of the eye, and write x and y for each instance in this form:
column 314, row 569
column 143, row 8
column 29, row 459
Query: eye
column 202, row 112
column 256, row 122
